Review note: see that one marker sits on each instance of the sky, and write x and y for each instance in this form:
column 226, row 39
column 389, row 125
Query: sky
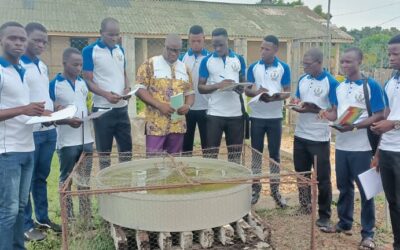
column 354, row 13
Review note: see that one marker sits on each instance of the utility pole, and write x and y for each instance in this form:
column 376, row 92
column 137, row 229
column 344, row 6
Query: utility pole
column 329, row 37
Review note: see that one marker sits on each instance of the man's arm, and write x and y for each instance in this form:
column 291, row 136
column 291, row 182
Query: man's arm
column 110, row 96
column 370, row 120
column 32, row 109
column 128, row 87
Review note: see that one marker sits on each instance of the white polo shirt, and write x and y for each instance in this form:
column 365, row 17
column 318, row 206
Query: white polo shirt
column 108, row 67
column 15, row 135
column 391, row 140
column 273, row 77
column 348, row 94
column 193, row 61
column 216, row 69
column 64, row 93
column 322, row 92
column 36, row 76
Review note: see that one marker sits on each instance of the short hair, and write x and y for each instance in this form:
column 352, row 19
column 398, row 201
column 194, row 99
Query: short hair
column 315, row 54
column 219, row 32
column 30, row 27
column 196, row 29
column 395, row 39
column 9, row 24
column 272, row 39
column 356, row 50
column 106, row 21
column 68, row 52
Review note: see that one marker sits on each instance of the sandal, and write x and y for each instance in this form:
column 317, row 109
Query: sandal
column 367, row 244
column 335, row 229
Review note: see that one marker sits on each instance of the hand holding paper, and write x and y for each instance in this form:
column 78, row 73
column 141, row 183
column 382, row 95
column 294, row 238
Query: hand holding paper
column 371, row 183
column 66, row 113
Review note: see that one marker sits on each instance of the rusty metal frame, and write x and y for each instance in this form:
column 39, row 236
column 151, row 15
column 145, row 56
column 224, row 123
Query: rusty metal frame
column 298, row 178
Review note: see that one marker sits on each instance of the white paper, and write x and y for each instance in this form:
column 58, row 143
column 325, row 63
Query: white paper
column 234, row 85
column 255, row 99
column 131, row 93
column 65, row 113
column 371, row 183
column 97, row 114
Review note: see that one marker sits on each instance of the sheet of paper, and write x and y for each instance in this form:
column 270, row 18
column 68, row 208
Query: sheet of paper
column 97, row 114
column 255, row 99
column 371, row 183
column 234, row 85
column 177, row 101
column 65, row 113
column 131, row 93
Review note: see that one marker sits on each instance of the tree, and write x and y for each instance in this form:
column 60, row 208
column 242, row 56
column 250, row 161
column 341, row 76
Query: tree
column 374, row 48
column 318, row 9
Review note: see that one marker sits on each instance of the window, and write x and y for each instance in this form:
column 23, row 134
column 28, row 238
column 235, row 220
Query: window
column 79, row 42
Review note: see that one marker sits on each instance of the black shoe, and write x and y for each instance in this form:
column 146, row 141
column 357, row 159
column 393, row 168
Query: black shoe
column 34, row 234
column 49, row 225
column 323, row 222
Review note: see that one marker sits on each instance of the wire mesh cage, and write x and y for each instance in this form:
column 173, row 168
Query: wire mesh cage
column 194, row 200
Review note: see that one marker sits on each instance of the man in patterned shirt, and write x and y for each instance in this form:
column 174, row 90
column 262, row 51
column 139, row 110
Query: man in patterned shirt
column 162, row 77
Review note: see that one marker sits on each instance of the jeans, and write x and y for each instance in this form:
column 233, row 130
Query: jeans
column 389, row 165
column 68, row 157
column 349, row 164
column 303, row 156
column 233, row 127
column 273, row 129
column 115, row 123
column 15, row 180
column 194, row 117
column 45, row 144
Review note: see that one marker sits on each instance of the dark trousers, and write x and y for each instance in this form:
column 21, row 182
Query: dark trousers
column 194, row 117
column 233, row 127
column 303, row 157
column 349, row 164
column 389, row 165
column 273, row 129
column 113, row 124
column 68, row 157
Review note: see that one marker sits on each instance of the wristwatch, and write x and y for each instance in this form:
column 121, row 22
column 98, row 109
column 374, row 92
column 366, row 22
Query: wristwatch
column 354, row 128
column 397, row 125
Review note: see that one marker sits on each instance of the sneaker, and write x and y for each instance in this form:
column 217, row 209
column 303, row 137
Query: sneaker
column 323, row 222
column 34, row 234
column 49, row 225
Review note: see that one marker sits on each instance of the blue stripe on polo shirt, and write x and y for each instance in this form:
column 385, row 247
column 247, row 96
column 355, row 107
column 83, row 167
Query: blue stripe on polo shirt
column 250, row 73
column 17, row 67
column 87, row 54
column 333, row 83
column 203, row 71
column 52, row 89
column 298, row 85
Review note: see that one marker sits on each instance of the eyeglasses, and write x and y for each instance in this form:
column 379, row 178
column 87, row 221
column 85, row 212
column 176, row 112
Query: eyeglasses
column 173, row 50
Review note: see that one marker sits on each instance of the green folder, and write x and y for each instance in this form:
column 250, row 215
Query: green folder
column 177, row 101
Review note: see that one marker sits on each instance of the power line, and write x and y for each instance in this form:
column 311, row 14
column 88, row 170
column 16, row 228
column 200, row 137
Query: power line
column 367, row 10
column 391, row 19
